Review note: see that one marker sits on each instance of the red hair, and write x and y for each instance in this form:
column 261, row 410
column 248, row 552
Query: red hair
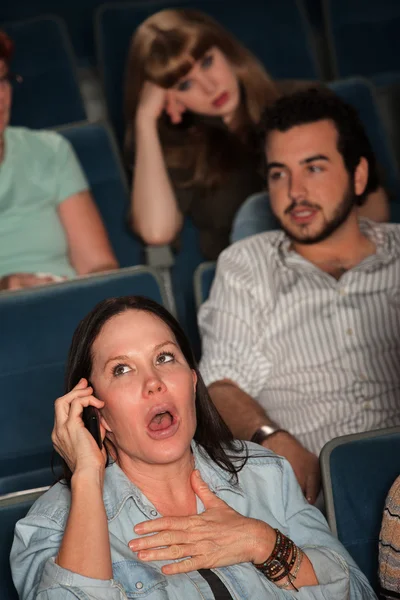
column 6, row 47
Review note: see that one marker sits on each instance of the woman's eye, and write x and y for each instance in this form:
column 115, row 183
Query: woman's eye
column 165, row 357
column 183, row 86
column 120, row 370
column 207, row 61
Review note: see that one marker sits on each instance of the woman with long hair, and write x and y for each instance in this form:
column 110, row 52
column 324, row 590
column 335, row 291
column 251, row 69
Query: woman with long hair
column 194, row 96
column 227, row 519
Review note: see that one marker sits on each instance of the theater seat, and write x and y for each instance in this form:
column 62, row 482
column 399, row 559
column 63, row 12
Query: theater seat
column 363, row 36
column 12, row 508
column 202, row 281
column 357, row 473
column 37, row 327
column 361, row 94
column 98, row 154
column 49, row 94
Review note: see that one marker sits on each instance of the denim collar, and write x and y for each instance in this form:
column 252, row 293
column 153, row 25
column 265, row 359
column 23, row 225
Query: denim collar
column 118, row 488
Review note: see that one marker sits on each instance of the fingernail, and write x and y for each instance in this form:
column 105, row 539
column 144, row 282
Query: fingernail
column 138, row 528
column 197, row 473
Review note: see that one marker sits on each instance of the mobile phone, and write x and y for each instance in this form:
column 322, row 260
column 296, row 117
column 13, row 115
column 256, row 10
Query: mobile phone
column 91, row 420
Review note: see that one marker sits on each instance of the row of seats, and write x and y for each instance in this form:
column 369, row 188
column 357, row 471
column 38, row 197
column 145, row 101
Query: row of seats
column 347, row 25
column 79, row 17
column 98, row 153
column 44, row 52
column 357, row 472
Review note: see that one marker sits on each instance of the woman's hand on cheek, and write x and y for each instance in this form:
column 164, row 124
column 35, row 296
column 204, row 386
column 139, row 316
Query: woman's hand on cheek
column 152, row 102
column 174, row 107
column 218, row 537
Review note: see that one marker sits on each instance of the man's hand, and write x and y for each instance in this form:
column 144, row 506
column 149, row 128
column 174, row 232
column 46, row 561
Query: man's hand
column 304, row 463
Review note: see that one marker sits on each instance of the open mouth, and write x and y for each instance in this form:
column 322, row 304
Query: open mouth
column 163, row 423
column 304, row 215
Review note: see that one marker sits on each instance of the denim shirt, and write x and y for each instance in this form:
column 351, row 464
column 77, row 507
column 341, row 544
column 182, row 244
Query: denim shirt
column 267, row 490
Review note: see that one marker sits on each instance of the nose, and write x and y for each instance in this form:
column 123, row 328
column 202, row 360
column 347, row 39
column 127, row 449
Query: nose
column 297, row 188
column 208, row 84
column 153, row 386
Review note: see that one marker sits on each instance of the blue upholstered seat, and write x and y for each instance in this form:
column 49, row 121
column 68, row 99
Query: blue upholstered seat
column 49, row 94
column 363, row 36
column 98, row 154
column 357, row 472
column 361, row 94
column 202, row 281
column 36, row 331
column 12, row 509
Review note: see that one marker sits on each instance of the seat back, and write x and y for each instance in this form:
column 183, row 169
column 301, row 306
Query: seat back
column 363, row 36
column 360, row 93
column 37, row 327
column 357, row 473
column 13, row 507
column 98, row 154
column 276, row 32
column 49, row 94
column 203, row 279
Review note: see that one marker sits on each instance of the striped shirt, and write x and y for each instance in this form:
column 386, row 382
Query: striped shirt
column 321, row 356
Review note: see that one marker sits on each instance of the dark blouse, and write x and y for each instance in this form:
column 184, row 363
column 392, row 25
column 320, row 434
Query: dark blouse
column 213, row 210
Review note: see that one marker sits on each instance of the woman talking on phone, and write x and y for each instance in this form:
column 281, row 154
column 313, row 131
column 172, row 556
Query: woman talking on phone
column 194, row 96
column 171, row 507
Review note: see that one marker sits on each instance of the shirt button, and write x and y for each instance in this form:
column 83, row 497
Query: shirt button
column 349, row 331
column 153, row 513
column 368, row 405
column 363, row 376
column 139, row 585
column 342, row 292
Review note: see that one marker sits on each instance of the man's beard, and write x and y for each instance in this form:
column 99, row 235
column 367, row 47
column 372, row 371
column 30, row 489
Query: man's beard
column 339, row 217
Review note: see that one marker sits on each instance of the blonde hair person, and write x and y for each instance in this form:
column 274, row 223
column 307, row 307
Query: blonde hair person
column 193, row 98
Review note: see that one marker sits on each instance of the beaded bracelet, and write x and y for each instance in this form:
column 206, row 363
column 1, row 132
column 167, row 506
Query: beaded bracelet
column 292, row 576
column 277, row 566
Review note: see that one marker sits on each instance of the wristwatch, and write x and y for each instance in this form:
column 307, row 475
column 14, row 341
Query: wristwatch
column 264, row 432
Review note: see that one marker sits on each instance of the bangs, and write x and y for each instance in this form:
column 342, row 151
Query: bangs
column 172, row 55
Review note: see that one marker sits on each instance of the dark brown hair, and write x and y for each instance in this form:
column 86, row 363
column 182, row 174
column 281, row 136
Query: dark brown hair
column 318, row 104
column 211, row 432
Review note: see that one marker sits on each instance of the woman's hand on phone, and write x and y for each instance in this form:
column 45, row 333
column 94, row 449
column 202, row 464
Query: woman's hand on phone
column 70, row 437
column 154, row 100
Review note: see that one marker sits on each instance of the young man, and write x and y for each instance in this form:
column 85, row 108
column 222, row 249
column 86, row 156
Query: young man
column 301, row 333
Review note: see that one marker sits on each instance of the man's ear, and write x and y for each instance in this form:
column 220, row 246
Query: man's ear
column 361, row 176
